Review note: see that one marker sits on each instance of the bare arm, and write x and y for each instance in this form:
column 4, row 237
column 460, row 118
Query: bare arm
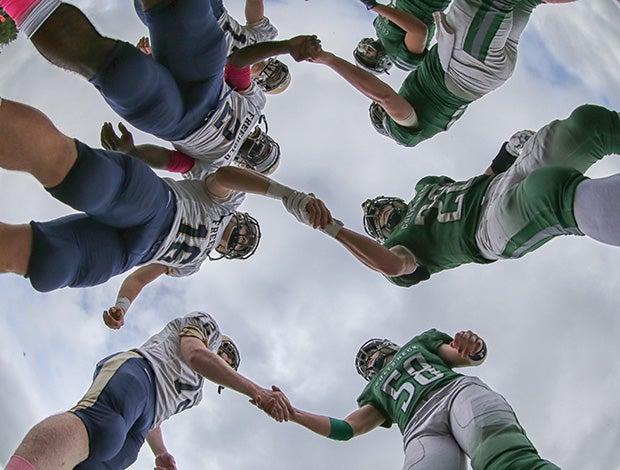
column 131, row 287
column 362, row 420
column 416, row 31
column 163, row 459
column 390, row 262
column 214, row 368
column 368, row 84
column 153, row 155
column 254, row 11
column 460, row 351
column 299, row 48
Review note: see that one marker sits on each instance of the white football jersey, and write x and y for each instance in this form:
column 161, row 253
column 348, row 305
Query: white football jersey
column 238, row 36
column 224, row 130
column 198, row 226
column 179, row 387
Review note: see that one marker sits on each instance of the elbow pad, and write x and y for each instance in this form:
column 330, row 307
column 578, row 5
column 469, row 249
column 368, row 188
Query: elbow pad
column 340, row 430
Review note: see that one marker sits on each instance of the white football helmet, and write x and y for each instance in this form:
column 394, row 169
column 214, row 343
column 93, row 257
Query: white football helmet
column 384, row 347
column 259, row 152
column 244, row 237
column 370, row 55
column 274, row 78
column 372, row 209
column 230, row 348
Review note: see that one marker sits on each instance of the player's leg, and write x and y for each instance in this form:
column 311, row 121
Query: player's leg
column 60, row 441
column 596, row 209
column 486, row 428
column 434, row 451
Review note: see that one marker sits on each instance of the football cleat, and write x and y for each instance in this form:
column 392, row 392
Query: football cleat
column 365, row 364
column 370, row 55
column 274, row 78
column 517, row 141
column 259, row 152
column 8, row 29
column 378, row 225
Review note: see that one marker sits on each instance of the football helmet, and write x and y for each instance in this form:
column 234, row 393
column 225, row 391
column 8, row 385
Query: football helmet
column 370, row 55
column 384, row 347
column 372, row 216
column 231, row 350
column 241, row 243
column 378, row 118
column 274, row 78
column 259, row 152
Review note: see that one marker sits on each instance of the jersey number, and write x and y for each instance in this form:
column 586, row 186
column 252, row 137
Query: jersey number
column 183, row 387
column 228, row 121
column 447, row 200
column 419, row 370
column 178, row 249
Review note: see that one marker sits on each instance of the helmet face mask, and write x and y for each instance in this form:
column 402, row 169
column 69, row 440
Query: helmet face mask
column 374, row 210
column 370, row 55
column 274, row 78
column 259, row 152
column 229, row 348
column 378, row 118
column 380, row 349
column 244, row 237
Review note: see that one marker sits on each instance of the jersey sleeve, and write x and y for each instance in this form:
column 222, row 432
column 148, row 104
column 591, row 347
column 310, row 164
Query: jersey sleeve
column 432, row 339
column 202, row 326
column 238, row 36
column 368, row 398
column 186, row 270
column 411, row 279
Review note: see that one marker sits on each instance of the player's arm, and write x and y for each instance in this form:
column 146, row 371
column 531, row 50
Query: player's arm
column 467, row 349
column 131, row 287
column 305, row 207
column 163, row 459
column 212, row 367
column 397, row 107
column 394, row 261
column 299, row 48
column 254, row 11
column 361, row 421
column 416, row 31
column 154, row 156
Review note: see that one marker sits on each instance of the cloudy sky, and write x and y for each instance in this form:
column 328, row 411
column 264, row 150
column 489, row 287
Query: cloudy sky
column 300, row 308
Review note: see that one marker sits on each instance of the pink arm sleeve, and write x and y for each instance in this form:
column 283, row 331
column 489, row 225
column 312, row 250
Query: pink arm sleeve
column 238, row 78
column 180, row 163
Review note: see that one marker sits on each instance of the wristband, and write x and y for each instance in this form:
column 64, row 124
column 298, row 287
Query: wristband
column 339, row 430
column 334, row 228
column 123, row 302
column 503, row 160
column 278, row 191
column 480, row 355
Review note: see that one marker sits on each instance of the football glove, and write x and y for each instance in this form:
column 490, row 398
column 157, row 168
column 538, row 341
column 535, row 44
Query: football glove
column 296, row 204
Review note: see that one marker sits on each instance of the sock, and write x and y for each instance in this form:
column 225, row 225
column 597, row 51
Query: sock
column 19, row 463
column 596, row 209
column 29, row 15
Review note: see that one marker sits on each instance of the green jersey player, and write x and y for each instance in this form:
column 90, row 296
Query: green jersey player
column 404, row 31
column 476, row 52
column 544, row 194
column 442, row 415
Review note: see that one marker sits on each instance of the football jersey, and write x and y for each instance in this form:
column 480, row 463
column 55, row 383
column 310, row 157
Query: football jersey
column 437, row 107
column 238, row 36
column 178, row 386
column 392, row 36
column 415, row 370
column 440, row 225
column 197, row 228
column 225, row 129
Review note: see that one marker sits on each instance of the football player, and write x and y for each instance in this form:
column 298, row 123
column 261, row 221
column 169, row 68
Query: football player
column 129, row 215
column 476, row 52
column 543, row 195
column 404, row 31
column 133, row 392
column 181, row 96
column 443, row 415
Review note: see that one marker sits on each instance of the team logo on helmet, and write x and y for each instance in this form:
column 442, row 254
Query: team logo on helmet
column 259, row 152
column 365, row 364
column 232, row 352
column 274, row 78
column 377, row 222
column 371, row 56
column 243, row 239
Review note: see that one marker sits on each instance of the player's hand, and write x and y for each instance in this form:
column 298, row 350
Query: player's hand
column 467, row 343
column 111, row 141
column 114, row 318
column 165, row 461
column 307, row 209
column 304, row 47
column 144, row 46
column 273, row 402
column 370, row 4
column 319, row 215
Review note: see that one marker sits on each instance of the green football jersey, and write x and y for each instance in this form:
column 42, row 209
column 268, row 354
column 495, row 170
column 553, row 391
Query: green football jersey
column 414, row 372
column 440, row 225
column 437, row 107
column 392, row 36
